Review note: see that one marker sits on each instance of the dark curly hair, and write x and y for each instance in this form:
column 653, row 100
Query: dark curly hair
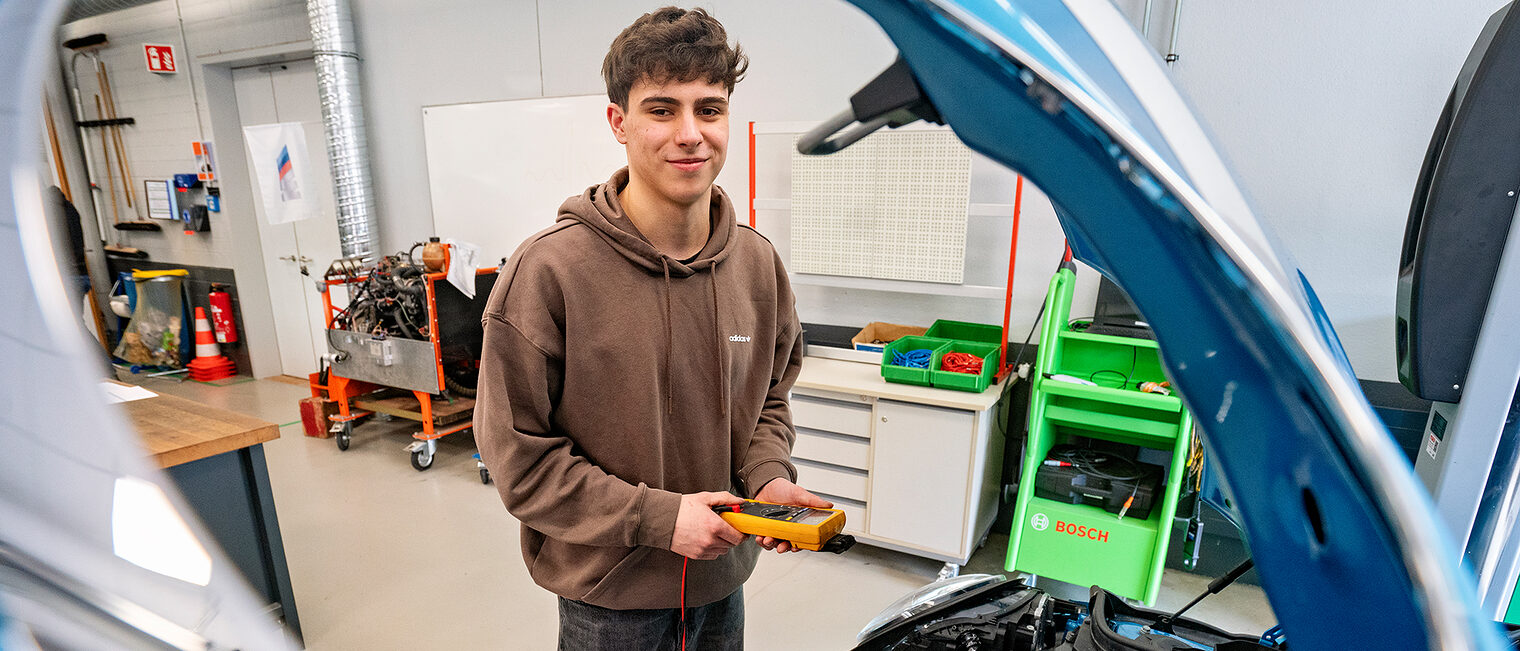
column 671, row 44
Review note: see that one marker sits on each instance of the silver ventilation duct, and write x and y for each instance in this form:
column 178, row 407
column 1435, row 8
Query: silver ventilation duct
column 86, row 8
column 337, row 59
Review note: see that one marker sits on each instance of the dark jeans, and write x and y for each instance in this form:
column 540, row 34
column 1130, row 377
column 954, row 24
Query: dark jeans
column 718, row 626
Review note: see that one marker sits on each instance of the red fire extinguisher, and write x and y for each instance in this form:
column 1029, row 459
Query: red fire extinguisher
column 221, row 314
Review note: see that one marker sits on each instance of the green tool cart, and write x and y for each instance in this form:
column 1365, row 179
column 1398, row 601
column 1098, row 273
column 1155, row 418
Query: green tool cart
column 1081, row 543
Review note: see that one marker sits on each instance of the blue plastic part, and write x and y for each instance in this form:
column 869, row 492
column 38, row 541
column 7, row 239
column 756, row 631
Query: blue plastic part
column 1132, row 631
column 1332, row 513
column 1076, row 622
column 1274, row 637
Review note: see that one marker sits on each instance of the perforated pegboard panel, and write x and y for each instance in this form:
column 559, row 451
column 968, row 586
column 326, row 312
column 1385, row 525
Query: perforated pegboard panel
column 891, row 206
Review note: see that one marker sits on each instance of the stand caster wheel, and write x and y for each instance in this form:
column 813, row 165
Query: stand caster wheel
column 485, row 476
column 422, row 459
column 345, row 436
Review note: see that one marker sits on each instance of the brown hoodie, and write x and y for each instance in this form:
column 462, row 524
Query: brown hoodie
column 615, row 378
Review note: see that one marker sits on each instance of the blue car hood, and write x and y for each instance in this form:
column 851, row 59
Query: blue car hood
column 1347, row 544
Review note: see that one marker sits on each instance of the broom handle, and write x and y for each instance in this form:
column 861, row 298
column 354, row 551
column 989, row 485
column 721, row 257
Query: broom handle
column 52, row 131
column 121, row 150
column 105, row 150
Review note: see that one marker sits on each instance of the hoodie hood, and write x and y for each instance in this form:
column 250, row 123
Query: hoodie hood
column 599, row 208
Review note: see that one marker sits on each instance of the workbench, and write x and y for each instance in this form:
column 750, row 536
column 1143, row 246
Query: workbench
column 915, row 469
column 216, row 457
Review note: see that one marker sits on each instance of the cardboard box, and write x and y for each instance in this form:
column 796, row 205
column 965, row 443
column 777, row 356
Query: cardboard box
column 876, row 335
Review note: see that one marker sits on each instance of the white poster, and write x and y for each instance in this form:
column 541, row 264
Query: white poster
column 283, row 170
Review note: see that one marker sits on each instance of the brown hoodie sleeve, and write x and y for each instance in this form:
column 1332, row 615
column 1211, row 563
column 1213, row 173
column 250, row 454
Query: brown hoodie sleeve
column 770, row 449
column 542, row 481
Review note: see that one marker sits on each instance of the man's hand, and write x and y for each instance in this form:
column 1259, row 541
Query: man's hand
column 700, row 533
column 783, row 491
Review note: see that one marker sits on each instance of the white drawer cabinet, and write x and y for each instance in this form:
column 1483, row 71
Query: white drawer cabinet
column 915, row 469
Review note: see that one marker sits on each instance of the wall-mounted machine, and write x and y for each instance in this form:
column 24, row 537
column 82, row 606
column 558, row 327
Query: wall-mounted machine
column 1458, row 307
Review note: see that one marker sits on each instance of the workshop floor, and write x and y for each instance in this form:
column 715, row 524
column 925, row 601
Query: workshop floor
column 384, row 557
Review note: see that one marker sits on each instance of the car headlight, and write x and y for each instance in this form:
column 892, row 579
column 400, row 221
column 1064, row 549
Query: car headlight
column 925, row 598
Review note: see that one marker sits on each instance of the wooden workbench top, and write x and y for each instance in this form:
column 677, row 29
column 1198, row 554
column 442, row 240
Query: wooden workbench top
column 179, row 431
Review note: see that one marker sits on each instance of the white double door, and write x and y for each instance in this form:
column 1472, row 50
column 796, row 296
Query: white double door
column 287, row 92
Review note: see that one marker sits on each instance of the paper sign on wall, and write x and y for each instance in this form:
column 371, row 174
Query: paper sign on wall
column 205, row 163
column 280, row 163
column 160, row 199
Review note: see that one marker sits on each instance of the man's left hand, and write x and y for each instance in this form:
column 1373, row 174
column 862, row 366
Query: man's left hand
column 783, row 491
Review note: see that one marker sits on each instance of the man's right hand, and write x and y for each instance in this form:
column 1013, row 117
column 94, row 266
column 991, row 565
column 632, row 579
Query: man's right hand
column 700, row 533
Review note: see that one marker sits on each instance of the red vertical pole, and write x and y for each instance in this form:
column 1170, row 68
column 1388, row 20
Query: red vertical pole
column 1013, row 254
column 751, row 173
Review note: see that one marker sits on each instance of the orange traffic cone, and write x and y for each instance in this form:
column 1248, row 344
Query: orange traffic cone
column 209, row 362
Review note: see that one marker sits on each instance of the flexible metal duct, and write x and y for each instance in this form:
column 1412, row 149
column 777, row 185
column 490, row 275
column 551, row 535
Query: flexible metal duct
column 87, row 8
column 337, row 59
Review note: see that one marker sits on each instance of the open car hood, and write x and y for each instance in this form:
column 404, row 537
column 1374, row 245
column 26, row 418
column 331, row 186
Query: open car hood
column 1347, row 544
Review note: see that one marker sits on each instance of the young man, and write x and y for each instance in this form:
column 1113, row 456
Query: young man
column 638, row 356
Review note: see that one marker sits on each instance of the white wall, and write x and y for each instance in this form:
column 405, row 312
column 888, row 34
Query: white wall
column 1324, row 109
column 418, row 54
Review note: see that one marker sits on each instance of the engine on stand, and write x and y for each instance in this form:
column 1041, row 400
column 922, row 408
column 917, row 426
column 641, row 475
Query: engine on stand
column 406, row 342
column 390, row 300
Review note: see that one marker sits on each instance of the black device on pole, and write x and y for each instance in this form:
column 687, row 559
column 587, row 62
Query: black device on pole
column 1115, row 314
column 1464, row 203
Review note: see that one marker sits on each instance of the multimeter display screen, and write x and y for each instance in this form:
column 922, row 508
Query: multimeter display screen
column 798, row 514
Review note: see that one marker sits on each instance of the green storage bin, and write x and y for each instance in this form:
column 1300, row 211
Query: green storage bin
column 990, row 354
column 963, row 331
column 903, row 374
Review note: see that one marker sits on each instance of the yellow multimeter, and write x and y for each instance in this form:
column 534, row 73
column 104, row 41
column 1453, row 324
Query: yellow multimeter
column 804, row 527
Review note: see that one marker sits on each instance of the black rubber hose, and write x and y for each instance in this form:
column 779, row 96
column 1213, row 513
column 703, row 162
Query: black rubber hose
column 969, row 641
column 455, row 386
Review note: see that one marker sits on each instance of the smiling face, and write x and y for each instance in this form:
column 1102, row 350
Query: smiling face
column 676, row 134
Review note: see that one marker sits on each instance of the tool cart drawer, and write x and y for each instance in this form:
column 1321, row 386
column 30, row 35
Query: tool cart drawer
column 831, row 415
column 854, row 512
column 828, row 447
column 834, row 480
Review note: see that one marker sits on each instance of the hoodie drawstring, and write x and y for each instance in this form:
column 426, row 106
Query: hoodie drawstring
column 718, row 339
column 718, row 347
column 669, row 339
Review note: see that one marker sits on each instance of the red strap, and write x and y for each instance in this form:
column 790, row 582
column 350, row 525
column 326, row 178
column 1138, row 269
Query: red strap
column 683, row 602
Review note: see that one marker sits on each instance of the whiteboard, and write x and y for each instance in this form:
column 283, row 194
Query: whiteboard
column 498, row 171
